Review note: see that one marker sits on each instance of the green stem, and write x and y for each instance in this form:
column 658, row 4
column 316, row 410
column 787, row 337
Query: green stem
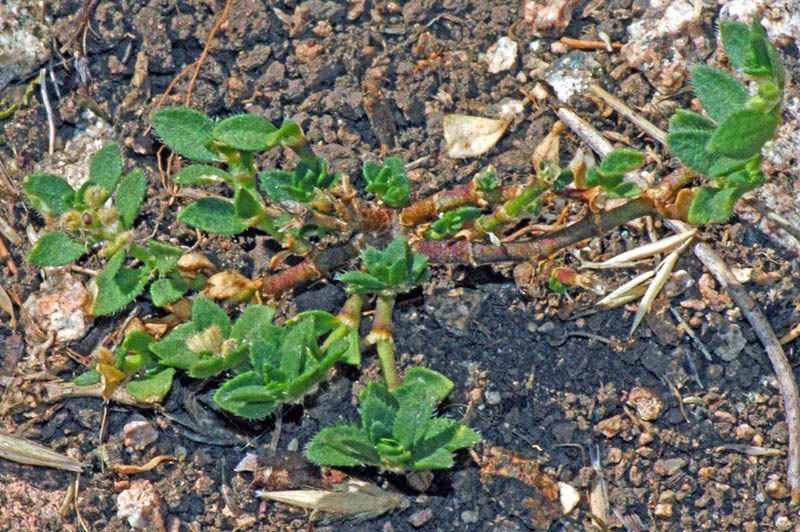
column 510, row 210
column 381, row 336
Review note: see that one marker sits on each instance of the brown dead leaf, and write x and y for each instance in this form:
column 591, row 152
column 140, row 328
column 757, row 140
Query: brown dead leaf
column 227, row 285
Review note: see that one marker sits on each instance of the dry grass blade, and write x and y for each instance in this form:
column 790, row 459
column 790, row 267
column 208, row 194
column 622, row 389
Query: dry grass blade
column 28, row 452
column 648, row 250
column 791, row 335
column 750, row 450
column 625, row 288
column 354, row 498
column 664, row 271
column 7, row 231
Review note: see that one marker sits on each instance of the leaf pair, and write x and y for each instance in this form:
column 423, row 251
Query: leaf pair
column 398, row 430
column 300, row 184
column 608, row 175
column 388, row 181
column 393, row 269
column 450, row 222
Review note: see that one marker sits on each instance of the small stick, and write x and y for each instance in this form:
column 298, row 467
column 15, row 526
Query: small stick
column 623, row 109
column 589, row 45
column 51, row 123
column 791, row 335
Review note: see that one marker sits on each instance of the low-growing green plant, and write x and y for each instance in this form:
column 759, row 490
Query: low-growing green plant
column 328, row 226
column 273, row 364
column 399, row 430
column 726, row 144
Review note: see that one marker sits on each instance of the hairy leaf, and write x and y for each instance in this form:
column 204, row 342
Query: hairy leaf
column 186, row 132
column 736, row 39
column 742, row 134
column 152, row 387
column 49, row 194
column 720, row 93
column 342, row 446
column 105, row 167
column 213, row 215
column 244, row 132
column 56, row 248
column 206, row 313
column 165, row 291
column 690, row 147
column 130, row 195
column 685, row 119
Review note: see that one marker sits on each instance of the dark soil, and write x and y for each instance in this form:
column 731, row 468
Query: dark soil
column 533, row 373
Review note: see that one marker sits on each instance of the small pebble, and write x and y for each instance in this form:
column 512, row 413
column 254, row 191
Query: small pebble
column 138, row 433
column 493, row 398
column 663, row 510
column 669, row 466
column 417, row 519
column 469, row 516
column 783, row 523
column 647, row 403
column 776, row 489
column 609, row 427
column 142, row 507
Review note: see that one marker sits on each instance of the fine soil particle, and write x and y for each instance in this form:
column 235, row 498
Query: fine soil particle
column 537, row 374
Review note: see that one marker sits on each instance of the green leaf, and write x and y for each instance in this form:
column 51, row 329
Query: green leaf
column 736, row 39
column 206, row 313
column 186, row 132
column 246, row 409
column 411, row 423
column 388, row 182
column 690, row 147
column 56, row 248
column 137, row 341
column 724, row 166
column 423, row 384
column 720, row 93
column 289, row 135
column 245, row 204
column 244, row 132
column 685, row 119
column 206, row 368
column 743, row 133
column 87, row 378
column 202, row 174
column 439, row 459
column 165, row 291
column 165, row 257
column 253, row 318
column 621, row 161
column 105, row 167
column 49, row 194
column 130, row 195
column 375, row 409
column 709, row 205
column 342, row 446
column 117, row 286
column 626, row 190
column 151, row 387
column 213, row 215
column 323, row 321
column 275, row 183
column 360, row 282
